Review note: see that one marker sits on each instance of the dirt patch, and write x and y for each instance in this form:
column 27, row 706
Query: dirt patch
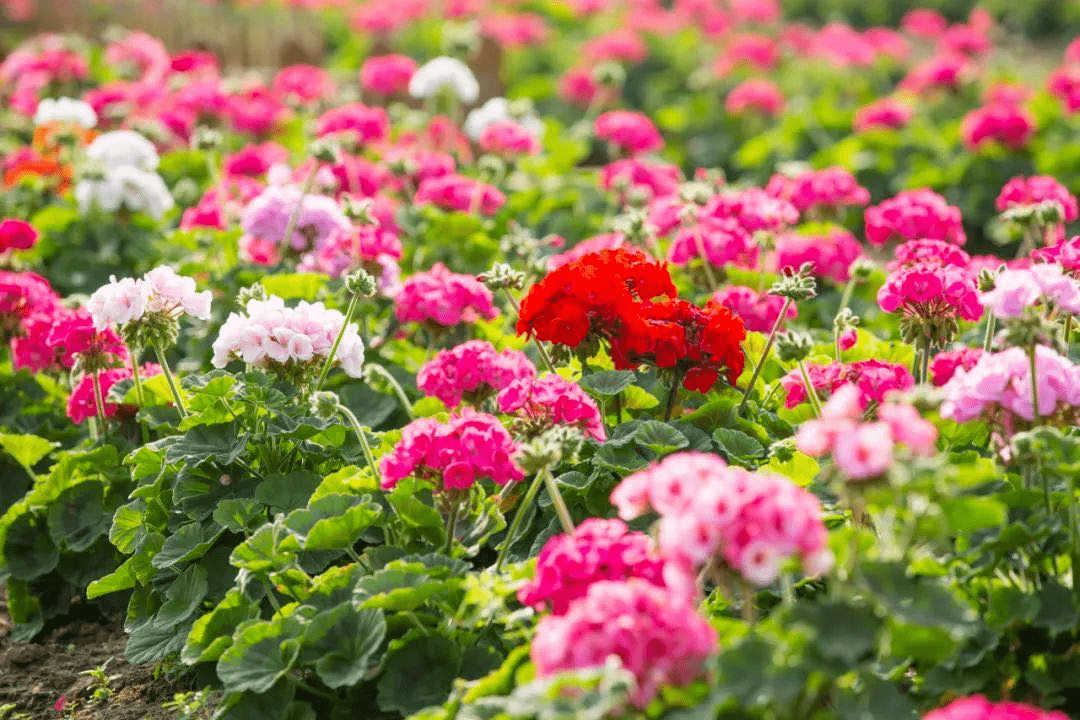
column 35, row 675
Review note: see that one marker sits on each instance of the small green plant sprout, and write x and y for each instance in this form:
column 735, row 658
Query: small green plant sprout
column 190, row 705
column 8, row 712
column 100, row 688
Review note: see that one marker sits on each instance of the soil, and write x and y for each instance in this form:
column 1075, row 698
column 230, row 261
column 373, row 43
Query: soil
column 35, row 675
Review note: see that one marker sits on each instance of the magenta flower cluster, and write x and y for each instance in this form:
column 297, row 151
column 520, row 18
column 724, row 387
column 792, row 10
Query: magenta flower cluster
column 914, row 215
column 445, row 298
column 454, row 454
column 977, row 707
column 552, row 400
column 472, row 372
column 830, row 188
column 758, row 310
column 874, row 378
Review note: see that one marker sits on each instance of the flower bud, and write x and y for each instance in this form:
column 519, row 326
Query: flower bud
column 205, row 139
column 361, row 283
column 324, row 150
column 502, row 276
column 609, row 75
column 797, row 286
column 861, row 269
column 358, row 210
column 253, row 292
column 793, row 346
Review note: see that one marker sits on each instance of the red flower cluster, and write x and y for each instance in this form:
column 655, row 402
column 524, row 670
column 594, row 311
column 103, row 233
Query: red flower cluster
column 629, row 300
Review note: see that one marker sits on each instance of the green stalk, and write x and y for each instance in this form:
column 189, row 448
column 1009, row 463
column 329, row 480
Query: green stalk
column 359, row 430
column 519, row 517
column 294, row 216
column 811, row 393
column 988, row 340
column 764, row 354
column 1034, row 389
column 173, row 387
column 395, row 385
column 845, row 298
column 349, row 312
column 99, row 400
column 544, row 357
column 557, row 500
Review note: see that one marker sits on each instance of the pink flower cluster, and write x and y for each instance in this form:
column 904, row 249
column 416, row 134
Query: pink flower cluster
column 455, row 454
column 654, row 179
column 1004, row 123
column 633, row 133
column 830, row 254
column 945, row 364
column 758, row 311
column 82, row 404
column 976, row 707
column 267, row 218
column 597, row 550
column 722, row 240
column 23, row 294
column 757, row 96
column 930, row 290
column 472, row 371
column 444, row 298
column 914, row 215
column 864, row 450
column 939, row 252
column 658, row 637
column 460, row 193
column 16, row 235
column 387, row 75
column 508, row 139
column 831, row 188
column 750, row 520
column 874, row 378
column 359, row 123
column 883, row 114
column 1065, row 253
column 159, row 293
column 1003, row 380
column 271, row 335
column 552, row 400
column 372, row 247
column 299, row 84
column 754, row 208
column 1021, row 191
column 1016, row 289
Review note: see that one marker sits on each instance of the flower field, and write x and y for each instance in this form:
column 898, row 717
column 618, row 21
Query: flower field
column 544, row 359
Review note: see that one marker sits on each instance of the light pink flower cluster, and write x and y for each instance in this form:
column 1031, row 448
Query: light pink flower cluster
column 976, row 707
column 750, row 520
column 884, row 114
column 946, row 363
column 472, row 371
column 754, row 208
column 597, row 550
column 299, row 84
column 372, row 247
column 830, row 254
column 160, row 293
column 1005, row 123
column 82, row 404
column 552, row 400
column 460, row 193
column 444, row 298
column 633, row 133
column 267, row 218
column 914, row 215
column 1003, row 380
column 758, row 310
column 387, row 75
column 1065, row 253
column 938, row 252
column 1016, row 289
column 362, row 124
column 271, row 335
column 757, row 96
column 658, row 637
column 864, row 450
column 455, row 454
column 831, row 188
column 874, row 378
column 508, row 139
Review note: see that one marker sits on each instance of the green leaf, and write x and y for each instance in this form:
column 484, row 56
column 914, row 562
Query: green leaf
column 736, row 444
column 128, row 526
column 183, row 597
column 418, row 674
column 240, row 515
column 800, row 468
column 287, row 492
column 212, row 632
column 219, row 443
column 624, row 459
column 636, row 398
column 607, row 382
column 25, row 610
column 78, row 516
column 272, row 547
column 1057, row 613
column 295, row 286
column 333, row 522
column 189, row 542
column 27, row 450
column 342, row 643
column 28, row 551
column 261, row 654
column 398, row 586
column 846, row 633
column 660, row 437
column 966, row 514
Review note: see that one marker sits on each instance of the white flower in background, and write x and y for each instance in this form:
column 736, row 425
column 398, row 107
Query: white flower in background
column 497, row 110
column 125, row 186
column 445, row 72
column 65, row 110
column 123, row 148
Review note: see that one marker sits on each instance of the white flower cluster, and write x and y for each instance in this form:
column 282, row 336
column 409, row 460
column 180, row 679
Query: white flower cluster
column 445, row 72
column 159, row 292
column 271, row 332
column 66, row 110
column 126, row 162
column 498, row 110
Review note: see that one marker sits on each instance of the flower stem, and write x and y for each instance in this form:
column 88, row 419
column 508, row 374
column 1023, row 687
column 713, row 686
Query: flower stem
column 1067, row 335
column 764, row 354
column 359, row 430
column 988, row 340
column 99, row 400
column 349, row 312
column 544, row 357
column 1034, row 389
column 845, row 298
column 451, row 526
column 294, row 216
column 167, row 372
column 395, row 386
column 519, row 517
column 669, row 408
column 557, row 500
column 749, row 611
column 811, row 393
column 138, row 380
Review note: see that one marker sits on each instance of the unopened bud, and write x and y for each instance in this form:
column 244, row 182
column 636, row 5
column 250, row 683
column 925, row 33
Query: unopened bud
column 361, row 283
column 358, row 210
column 861, row 269
column 502, row 276
column 793, row 346
column 324, row 150
column 205, row 139
column 254, row 292
column 609, row 75
column 798, row 285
